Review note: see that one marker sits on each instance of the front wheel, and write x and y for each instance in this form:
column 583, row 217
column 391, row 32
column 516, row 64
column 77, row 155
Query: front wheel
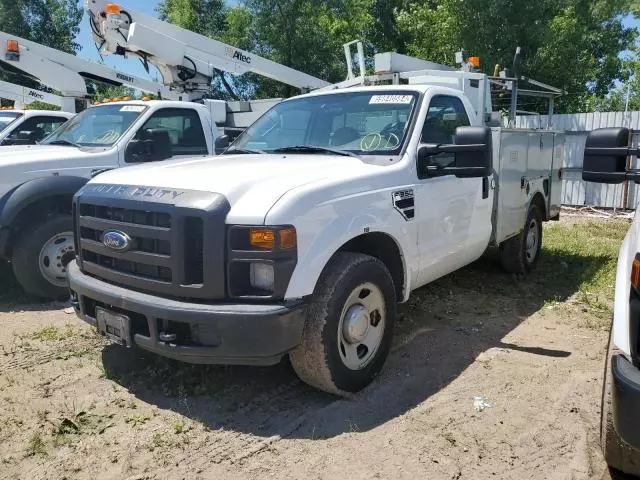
column 349, row 325
column 38, row 257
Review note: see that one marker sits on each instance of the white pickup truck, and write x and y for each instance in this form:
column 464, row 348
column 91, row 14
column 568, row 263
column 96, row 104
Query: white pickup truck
column 37, row 182
column 319, row 218
column 605, row 161
column 27, row 127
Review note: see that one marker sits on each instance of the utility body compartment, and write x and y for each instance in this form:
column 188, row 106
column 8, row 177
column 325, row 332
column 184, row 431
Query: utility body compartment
column 526, row 163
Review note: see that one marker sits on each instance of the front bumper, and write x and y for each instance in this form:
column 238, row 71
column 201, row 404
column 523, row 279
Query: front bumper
column 240, row 334
column 626, row 400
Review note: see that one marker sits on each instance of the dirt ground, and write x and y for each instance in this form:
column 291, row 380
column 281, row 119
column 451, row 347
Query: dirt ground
column 73, row 406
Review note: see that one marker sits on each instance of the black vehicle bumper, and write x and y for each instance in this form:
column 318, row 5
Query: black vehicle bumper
column 240, row 334
column 626, row 400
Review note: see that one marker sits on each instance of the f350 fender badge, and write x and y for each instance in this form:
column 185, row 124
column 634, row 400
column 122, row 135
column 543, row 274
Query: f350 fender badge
column 404, row 203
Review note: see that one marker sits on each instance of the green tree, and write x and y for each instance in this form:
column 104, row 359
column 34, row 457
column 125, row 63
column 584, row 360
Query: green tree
column 54, row 23
column 571, row 44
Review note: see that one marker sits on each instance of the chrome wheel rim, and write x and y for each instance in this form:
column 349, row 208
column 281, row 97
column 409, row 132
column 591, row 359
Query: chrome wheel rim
column 533, row 240
column 51, row 256
column 361, row 328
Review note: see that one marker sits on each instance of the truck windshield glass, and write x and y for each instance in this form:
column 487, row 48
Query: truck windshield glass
column 96, row 126
column 8, row 117
column 363, row 123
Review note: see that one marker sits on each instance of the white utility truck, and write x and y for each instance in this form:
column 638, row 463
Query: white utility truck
column 38, row 182
column 607, row 160
column 28, row 127
column 319, row 218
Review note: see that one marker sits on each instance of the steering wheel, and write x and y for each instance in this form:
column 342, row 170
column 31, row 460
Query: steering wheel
column 395, row 127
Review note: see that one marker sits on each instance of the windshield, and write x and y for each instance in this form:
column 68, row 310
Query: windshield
column 96, row 126
column 364, row 123
column 8, row 117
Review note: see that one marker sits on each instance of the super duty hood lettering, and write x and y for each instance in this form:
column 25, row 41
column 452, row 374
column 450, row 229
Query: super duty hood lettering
column 133, row 191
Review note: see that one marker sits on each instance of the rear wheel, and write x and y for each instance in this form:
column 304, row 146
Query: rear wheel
column 38, row 257
column 349, row 325
column 520, row 254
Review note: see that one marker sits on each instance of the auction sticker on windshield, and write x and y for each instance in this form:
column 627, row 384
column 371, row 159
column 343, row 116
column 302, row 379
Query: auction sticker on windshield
column 396, row 99
column 133, row 108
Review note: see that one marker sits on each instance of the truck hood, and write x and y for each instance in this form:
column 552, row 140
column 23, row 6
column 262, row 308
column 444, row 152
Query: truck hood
column 251, row 183
column 29, row 154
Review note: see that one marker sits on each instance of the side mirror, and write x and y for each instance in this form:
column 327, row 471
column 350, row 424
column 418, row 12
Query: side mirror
column 605, row 156
column 472, row 154
column 221, row 143
column 154, row 146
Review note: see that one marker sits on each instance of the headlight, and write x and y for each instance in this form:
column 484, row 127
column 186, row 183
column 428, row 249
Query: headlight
column 260, row 260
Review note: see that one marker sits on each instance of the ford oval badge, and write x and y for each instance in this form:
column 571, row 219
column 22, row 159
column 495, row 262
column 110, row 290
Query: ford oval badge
column 118, row 241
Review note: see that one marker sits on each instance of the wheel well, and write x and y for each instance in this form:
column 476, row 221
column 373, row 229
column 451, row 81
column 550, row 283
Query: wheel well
column 384, row 248
column 39, row 210
column 538, row 201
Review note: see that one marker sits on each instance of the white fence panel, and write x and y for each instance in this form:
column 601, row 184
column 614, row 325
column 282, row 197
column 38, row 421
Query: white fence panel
column 577, row 126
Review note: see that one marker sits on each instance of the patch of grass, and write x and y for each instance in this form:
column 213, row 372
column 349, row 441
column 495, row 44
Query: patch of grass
column 73, row 353
column 139, row 419
column 36, row 446
column 159, row 441
column 49, row 333
column 352, row 427
column 82, row 423
column 181, row 427
column 587, row 254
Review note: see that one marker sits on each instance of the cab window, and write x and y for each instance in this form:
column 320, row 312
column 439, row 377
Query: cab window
column 37, row 127
column 444, row 116
column 184, row 128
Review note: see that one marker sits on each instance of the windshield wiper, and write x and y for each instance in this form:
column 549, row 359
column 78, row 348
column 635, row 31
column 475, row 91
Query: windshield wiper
column 63, row 142
column 241, row 150
column 314, row 149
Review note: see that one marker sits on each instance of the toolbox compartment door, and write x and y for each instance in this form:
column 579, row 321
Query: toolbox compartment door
column 512, row 196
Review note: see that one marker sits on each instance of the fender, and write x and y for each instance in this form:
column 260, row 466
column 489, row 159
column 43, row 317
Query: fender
column 333, row 237
column 34, row 190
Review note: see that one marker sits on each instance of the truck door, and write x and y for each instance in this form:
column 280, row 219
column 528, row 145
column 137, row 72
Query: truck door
column 184, row 128
column 454, row 214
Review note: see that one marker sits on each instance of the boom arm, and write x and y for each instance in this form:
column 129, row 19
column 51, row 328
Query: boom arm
column 186, row 60
column 22, row 96
column 65, row 72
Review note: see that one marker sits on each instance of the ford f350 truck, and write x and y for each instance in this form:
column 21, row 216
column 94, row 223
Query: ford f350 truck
column 301, row 238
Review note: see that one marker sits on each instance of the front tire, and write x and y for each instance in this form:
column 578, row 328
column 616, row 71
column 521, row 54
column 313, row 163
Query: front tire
column 349, row 325
column 37, row 258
